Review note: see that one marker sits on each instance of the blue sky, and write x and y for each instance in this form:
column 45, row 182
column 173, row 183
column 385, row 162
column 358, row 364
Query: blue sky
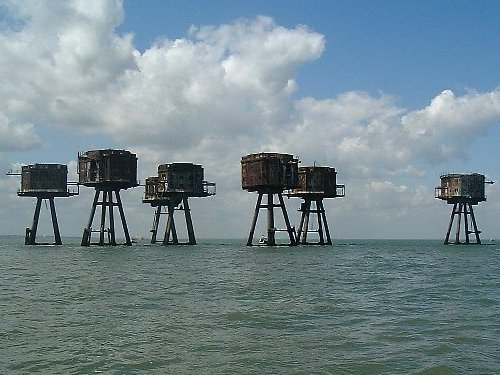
column 391, row 93
column 411, row 49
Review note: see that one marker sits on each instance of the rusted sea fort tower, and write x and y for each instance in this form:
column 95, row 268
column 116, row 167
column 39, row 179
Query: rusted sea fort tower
column 463, row 191
column 169, row 191
column 44, row 182
column 108, row 171
column 270, row 174
column 315, row 184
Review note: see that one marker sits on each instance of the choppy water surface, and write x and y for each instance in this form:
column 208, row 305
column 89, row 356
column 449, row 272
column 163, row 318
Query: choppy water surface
column 358, row 307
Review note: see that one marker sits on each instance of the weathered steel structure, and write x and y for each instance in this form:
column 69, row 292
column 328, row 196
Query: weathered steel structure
column 314, row 184
column 169, row 192
column 270, row 174
column 108, row 171
column 44, row 182
column 463, row 191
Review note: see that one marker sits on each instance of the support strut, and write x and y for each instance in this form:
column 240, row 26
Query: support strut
column 106, row 235
column 322, row 230
column 463, row 209
column 30, row 238
column 170, row 237
column 271, row 229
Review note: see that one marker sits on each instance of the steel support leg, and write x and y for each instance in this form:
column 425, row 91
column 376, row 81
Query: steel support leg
column 463, row 209
column 31, row 233
column 170, row 228
column 254, row 221
column 271, row 230
column 450, row 225
column 476, row 231
column 320, row 223
column 319, row 210
column 290, row 230
column 306, row 214
column 87, row 232
column 107, row 206
column 128, row 242
column 466, row 223
column 325, row 223
column 156, row 222
column 459, row 222
column 111, row 231
column 103, row 217
column 189, row 222
column 303, row 208
column 55, row 226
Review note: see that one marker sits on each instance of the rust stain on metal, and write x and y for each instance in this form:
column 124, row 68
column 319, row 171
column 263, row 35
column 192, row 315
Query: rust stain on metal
column 114, row 168
column 320, row 181
column 268, row 171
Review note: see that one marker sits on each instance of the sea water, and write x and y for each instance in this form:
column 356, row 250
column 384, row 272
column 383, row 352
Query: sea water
column 357, row 307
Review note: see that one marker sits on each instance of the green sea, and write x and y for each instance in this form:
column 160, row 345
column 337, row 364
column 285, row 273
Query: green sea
column 357, row 307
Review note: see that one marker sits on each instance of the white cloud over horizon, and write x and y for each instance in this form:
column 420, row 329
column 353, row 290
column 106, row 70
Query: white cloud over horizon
column 215, row 95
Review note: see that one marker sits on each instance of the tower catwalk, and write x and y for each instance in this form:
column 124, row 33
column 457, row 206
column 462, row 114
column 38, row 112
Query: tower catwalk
column 463, row 191
column 269, row 174
column 169, row 192
column 44, row 182
column 314, row 184
column 108, row 171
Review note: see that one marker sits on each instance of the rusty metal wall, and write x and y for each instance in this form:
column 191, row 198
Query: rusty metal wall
column 151, row 188
column 462, row 186
column 269, row 171
column 44, row 178
column 318, row 179
column 107, row 167
column 181, row 177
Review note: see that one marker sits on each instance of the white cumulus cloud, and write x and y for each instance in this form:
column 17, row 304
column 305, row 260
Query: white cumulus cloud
column 218, row 93
column 16, row 137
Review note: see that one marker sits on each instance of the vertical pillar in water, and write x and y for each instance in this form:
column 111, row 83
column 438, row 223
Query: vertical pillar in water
column 271, row 229
column 107, row 202
column 462, row 209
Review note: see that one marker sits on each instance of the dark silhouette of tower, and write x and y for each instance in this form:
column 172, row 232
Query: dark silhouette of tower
column 108, row 171
column 270, row 174
column 315, row 184
column 463, row 191
column 44, row 182
column 169, row 192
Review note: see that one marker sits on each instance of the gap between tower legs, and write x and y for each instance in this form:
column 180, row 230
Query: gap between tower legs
column 170, row 237
column 107, row 207
column 30, row 237
column 271, row 229
column 463, row 210
column 322, row 230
